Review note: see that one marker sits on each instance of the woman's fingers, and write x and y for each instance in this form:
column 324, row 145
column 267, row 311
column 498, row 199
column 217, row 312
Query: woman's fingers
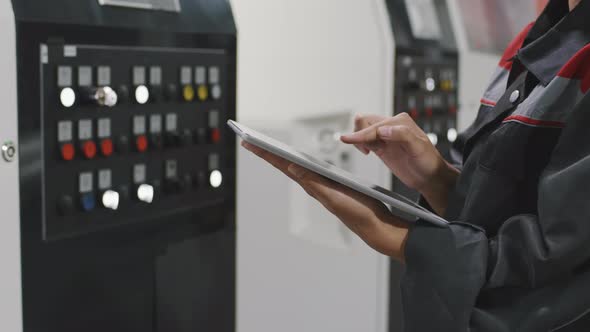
column 403, row 136
column 361, row 122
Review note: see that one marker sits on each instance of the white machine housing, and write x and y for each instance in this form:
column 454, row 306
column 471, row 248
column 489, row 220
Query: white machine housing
column 10, row 250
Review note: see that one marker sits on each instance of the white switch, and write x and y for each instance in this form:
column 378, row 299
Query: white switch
column 142, row 94
column 67, row 97
column 145, row 193
column 215, row 179
column 110, row 199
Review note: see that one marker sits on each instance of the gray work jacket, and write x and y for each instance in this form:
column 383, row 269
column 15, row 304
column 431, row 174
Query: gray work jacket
column 516, row 256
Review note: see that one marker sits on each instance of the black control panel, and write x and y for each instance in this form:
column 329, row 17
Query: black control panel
column 425, row 87
column 126, row 168
column 131, row 133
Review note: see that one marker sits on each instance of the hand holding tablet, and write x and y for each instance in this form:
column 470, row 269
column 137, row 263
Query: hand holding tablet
column 400, row 205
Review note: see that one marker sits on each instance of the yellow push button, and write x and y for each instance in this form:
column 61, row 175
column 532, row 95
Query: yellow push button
column 188, row 93
column 203, row 92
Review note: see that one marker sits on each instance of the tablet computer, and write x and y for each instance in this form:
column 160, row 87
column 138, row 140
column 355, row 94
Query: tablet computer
column 398, row 203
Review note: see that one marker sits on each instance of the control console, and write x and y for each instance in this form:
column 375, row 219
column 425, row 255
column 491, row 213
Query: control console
column 130, row 132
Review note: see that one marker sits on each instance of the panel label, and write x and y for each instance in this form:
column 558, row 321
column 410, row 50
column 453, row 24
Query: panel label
column 139, row 173
column 138, row 75
column 64, row 131
column 139, row 125
column 200, row 75
column 85, row 182
column 84, row 76
column 185, row 75
column 85, row 129
column 64, row 76
column 213, row 75
column 104, row 75
column 171, row 169
column 171, row 122
column 104, row 128
column 155, row 123
column 104, row 179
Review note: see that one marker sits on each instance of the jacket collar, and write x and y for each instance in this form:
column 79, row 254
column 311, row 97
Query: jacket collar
column 555, row 38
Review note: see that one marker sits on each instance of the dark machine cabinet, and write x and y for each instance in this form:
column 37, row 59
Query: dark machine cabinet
column 426, row 87
column 127, row 169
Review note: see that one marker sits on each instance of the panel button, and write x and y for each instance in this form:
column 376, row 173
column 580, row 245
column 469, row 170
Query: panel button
column 216, row 91
column 141, row 143
column 215, row 179
column 215, row 135
column 87, row 202
column 145, row 193
column 203, row 92
column 110, row 199
column 188, row 93
column 67, row 97
column 68, row 152
column 65, row 205
column 89, row 149
column 106, row 147
column 142, row 94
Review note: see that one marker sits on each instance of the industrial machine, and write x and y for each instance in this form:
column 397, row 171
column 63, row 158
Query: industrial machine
column 426, row 83
column 118, row 175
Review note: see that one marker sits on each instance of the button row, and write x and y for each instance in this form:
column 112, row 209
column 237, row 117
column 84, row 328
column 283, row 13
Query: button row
column 111, row 198
column 204, row 86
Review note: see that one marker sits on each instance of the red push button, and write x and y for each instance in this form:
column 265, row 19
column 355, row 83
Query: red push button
column 106, row 147
column 89, row 149
column 428, row 112
column 141, row 143
column 68, row 152
column 215, row 135
column 414, row 113
column 452, row 110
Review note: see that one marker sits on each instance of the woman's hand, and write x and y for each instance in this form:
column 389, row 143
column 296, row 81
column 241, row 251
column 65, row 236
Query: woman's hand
column 408, row 153
column 366, row 217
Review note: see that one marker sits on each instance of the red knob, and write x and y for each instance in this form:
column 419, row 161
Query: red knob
column 428, row 112
column 414, row 113
column 89, row 149
column 68, row 152
column 106, row 147
column 215, row 135
column 141, row 143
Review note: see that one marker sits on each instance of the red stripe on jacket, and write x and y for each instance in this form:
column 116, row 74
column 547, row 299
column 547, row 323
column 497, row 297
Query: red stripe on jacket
column 578, row 67
column 534, row 122
column 513, row 47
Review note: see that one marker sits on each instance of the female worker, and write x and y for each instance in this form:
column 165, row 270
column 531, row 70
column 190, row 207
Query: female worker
column 517, row 255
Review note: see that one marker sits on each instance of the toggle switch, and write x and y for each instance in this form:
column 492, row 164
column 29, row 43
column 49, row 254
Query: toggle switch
column 145, row 193
column 171, row 92
column 110, row 199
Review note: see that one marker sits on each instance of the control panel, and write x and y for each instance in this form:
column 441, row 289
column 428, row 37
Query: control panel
column 426, row 89
column 131, row 134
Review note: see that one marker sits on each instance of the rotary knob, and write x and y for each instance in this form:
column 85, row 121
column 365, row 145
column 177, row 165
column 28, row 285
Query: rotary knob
column 103, row 96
